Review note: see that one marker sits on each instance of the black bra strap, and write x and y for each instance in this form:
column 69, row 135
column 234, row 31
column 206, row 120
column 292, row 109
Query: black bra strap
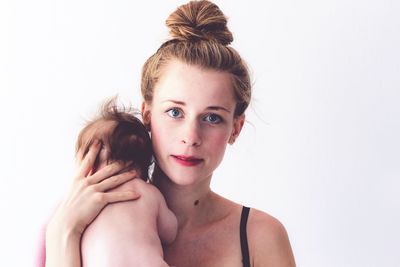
column 243, row 236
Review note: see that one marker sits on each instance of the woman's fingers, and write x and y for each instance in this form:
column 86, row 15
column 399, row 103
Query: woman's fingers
column 115, row 181
column 111, row 197
column 106, row 172
column 88, row 161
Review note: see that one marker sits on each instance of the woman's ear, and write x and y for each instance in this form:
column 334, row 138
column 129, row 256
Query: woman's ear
column 238, row 123
column 146, row 115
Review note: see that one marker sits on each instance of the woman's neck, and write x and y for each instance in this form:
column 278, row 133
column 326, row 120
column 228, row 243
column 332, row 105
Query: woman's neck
column 191, row 204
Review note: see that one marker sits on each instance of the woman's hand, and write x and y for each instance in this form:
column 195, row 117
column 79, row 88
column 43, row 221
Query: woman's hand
column 88, row 194
column 87, row 197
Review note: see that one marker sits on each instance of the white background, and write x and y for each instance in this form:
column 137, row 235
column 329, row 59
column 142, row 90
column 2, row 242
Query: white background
column 321, row 147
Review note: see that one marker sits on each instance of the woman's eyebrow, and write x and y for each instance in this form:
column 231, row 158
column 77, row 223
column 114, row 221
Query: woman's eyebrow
column 208, row 108
column 218, row 108
column 175, row 102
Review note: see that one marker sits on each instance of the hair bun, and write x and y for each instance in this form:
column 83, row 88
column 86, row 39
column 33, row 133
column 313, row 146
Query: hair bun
column 199, row 20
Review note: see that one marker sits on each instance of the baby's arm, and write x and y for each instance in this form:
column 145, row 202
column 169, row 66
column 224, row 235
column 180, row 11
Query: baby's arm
column 166, row 222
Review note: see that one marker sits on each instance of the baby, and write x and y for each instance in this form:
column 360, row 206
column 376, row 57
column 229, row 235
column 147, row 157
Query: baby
column 124, row 138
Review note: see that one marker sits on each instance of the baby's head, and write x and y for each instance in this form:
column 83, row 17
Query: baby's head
column 123, row 136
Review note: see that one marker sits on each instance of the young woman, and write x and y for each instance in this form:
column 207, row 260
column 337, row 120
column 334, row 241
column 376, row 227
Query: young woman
column 196, row 89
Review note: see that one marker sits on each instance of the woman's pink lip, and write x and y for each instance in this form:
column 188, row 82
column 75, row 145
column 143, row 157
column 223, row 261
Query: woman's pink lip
column 186, row 157
column 187, row 160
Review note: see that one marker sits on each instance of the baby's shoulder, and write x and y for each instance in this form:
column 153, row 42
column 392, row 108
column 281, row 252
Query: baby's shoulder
column 147, row 189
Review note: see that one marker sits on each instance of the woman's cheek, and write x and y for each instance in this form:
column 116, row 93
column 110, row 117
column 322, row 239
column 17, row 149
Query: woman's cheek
column 221, row 142
column 220, row 136
column 158, row 135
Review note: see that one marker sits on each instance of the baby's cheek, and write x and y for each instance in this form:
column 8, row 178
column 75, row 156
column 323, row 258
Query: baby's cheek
column 102, row 159
column 104, row 154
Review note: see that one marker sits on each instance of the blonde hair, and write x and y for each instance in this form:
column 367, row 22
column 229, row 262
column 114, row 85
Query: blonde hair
column 200, row 37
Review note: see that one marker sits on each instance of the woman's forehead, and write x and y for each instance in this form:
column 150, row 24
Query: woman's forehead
column 192, row 84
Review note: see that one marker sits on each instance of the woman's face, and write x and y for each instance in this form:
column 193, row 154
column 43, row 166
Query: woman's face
column 192, row 121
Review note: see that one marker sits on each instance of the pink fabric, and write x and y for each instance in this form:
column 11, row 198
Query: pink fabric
column 40, row 260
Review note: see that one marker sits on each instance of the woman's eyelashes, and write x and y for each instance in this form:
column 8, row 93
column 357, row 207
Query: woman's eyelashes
column 211, row 118
column 174, row 113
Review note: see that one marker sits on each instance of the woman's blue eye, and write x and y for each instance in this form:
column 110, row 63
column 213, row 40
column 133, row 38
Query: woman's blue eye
column 213, row 118
column 174, row 113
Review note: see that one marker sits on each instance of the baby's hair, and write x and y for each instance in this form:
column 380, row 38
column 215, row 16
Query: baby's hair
column 127, row 140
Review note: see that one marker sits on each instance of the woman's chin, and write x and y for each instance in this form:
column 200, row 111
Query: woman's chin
column 178, row 178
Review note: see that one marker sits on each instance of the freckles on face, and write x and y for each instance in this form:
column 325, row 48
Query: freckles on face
column 192, row 114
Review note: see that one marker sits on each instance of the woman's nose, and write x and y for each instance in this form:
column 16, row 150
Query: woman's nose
column 191, row 134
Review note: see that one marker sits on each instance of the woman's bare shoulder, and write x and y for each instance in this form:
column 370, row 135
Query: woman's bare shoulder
column 268, row 241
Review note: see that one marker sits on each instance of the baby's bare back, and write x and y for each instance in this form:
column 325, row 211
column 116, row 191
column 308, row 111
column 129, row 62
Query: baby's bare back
column 127, row 233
